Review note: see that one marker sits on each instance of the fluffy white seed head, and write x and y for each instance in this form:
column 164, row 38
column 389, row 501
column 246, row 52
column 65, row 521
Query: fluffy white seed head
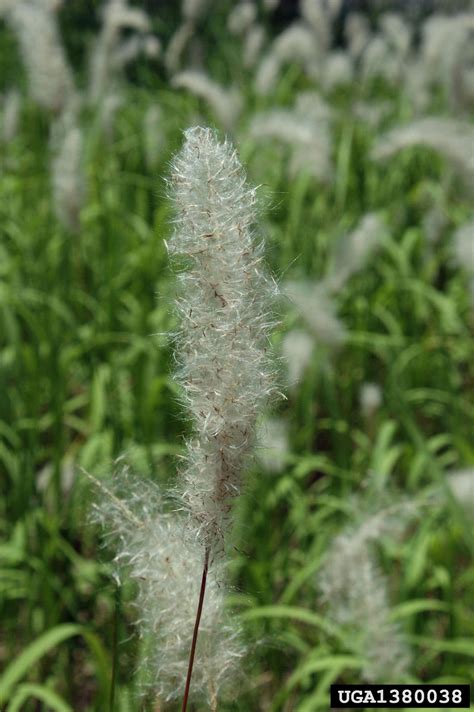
column 397, row 33
column 295, row 45
column 225, row 103
column 177, row 46
column 151, row 46
column 67, row 177
column 273, row 444
column 338, row 70
column 448, row 57
column 253, row 44
column 463, row 247
column 153, row 135
column 110, row 53
column 461, row 484
column 159, row 552
column 435, row 222
column 370, row 398
column 357, row 33
column 452, row 138
column 317, row 309
column 193, row 10
column 372, row 113
column 49, row 75
column 118, row 15
column 129, row 49
column 126, row 52
column 379, row 60
column 10, row 116
column 109, row 109
column 306, row 129
column 416, row 85
column 267, row 74
column 316, row 14
column 297, row 349
column 222, row 345
column 356, row 592
column 241, row 18
column 353, row 250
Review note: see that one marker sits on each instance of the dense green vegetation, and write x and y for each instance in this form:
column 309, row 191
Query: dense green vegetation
column 86, row 378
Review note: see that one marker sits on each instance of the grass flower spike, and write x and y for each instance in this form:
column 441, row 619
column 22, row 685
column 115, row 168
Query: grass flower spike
column 357, row 593
column 225, row 103
column 157, row 550
column 67, row 177
column 36, row 28
column 222, row 345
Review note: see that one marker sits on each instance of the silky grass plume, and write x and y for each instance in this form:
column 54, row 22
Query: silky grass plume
column 156, row 549
column 356, row 592
column 222, row 346
column 171, row 543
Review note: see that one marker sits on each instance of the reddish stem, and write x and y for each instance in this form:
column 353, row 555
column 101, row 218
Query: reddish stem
column 192, row 652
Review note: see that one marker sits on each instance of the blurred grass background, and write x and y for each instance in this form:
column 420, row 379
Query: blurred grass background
column 85, row 377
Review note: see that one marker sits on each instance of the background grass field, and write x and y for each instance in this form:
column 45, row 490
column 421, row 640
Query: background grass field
column 85, row 369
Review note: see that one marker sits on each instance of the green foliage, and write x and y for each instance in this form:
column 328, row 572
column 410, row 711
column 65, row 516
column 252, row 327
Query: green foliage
column 84, row 377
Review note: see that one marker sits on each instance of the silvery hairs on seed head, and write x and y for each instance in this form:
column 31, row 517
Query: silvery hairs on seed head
column 157, row 549
column 224, row 306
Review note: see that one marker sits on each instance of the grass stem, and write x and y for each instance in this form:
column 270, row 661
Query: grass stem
column 192, row 652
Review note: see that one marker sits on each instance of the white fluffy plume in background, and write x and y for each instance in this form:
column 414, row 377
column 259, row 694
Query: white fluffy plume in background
column 447, row 57
column 312, row 302
column 297, row 348
column 452, row 138
column 49, row 75
column 357, row 594
column 273, row 444
column 226, row 104
column 241, row 18
column 461, row 484
column 67, row 175
column 10, row 115
column 295, row 45
column 305, row 129
column 154, row 139
column 352, row 252
column 463, row 246
column 370, row 399
column 185, row 39
column 110, row 54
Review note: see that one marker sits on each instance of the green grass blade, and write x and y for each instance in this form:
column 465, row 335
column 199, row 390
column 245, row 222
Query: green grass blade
column 49, row 697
